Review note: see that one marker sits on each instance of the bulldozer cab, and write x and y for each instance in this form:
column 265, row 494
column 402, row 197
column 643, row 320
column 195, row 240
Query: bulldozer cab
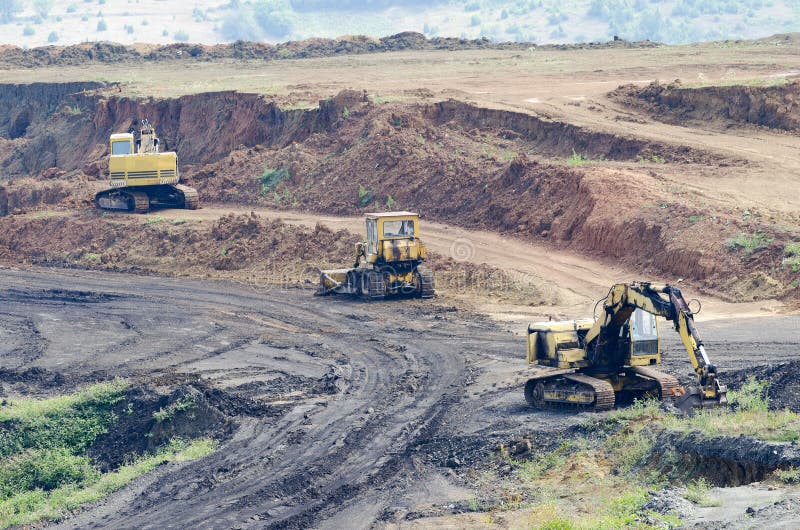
column 393, row 237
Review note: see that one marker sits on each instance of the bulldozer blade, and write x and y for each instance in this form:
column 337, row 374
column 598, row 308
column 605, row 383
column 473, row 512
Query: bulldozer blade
column 693, row 399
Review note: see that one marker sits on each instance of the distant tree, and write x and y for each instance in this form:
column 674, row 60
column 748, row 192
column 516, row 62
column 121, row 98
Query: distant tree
column 8, row 10
column 273, row 17
column 101, row 25
column 240, row 26
column 181, row 36
column 43, row 7
column 72, row 8
column 53, row 37
column 28, row 31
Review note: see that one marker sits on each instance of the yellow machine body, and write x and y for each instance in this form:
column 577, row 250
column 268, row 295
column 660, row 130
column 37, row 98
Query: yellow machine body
column 141, row 177
column 597, row 362
column 388, row 261
column 128, row 168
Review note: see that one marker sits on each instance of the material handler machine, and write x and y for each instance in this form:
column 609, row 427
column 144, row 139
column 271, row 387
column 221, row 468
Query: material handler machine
column 141, row 177
column 591, row 364
column 389, row 262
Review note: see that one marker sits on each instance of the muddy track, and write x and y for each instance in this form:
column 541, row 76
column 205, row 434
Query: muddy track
column 367, row 401
column 296, row 471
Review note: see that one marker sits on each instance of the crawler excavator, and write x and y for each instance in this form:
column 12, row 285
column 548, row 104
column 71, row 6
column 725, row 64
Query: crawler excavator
column 389, row 262
column 141, row 177
column 592, row 364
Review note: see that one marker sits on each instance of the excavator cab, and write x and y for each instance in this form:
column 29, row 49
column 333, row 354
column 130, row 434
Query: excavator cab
column 641, row 339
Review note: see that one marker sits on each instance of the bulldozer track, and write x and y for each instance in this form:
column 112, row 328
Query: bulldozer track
column 670, row 388
column 427, row 282
column 375, row 286
column 191, row 199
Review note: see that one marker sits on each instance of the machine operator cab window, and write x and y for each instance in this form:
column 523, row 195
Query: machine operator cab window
column 372, row 236
column 121, row 144
column 644, row 333
column 398, row 228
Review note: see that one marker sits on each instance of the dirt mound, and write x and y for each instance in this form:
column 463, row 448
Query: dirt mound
column 469, row 169
column 783, row 383
column 147, row 420
column 776, row 107
column 108, row 52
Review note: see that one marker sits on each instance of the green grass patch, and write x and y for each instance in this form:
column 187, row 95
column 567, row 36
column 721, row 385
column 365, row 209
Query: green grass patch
column 792, row 253
column 153, row 219
column 38, row 504
column 749, row 243
column 697, row 491
column 271, row 178
column 576, row 159
column 45, row 471
column 365, row 196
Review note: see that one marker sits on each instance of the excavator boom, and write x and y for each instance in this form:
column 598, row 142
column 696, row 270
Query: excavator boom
column 624, row 298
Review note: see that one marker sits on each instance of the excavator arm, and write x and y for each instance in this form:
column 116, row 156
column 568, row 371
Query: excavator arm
column 623, row 299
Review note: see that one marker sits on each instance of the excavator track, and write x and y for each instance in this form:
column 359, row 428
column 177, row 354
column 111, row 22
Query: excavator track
column 191, row 200
column 125, row 200
column 578, row 387
column 670, row 388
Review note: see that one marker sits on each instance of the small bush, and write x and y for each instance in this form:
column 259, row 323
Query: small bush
column 751, row 396
column 697, row 492
column 271, row 178
column 789, row 476
column 749, row 243
column 577, row 160
column 101, row 25
column 53, row 37
column 365, row 196
column 181, row 36
column 390, row 202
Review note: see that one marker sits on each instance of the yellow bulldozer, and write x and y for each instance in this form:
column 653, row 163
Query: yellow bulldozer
column 591, row 364
column 388, row 262
column 141, row 177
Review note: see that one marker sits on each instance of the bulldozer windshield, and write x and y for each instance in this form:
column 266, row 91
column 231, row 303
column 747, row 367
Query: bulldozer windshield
column 399, row 228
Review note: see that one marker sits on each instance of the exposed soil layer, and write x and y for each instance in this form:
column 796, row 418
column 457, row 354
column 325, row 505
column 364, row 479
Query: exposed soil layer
column 728, row 461
column 455, row 162
column 775, row 107
column 108, row 52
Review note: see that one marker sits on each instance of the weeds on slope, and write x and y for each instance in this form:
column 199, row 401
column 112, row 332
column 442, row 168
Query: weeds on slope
column 45, row 469
column 602, row 475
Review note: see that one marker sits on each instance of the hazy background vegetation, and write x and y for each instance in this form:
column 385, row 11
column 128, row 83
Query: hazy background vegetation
column 39, row 22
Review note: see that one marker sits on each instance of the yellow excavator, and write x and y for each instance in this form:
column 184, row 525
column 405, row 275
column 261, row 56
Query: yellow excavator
column 388, row 262
column 141, row 177
column 591, row 364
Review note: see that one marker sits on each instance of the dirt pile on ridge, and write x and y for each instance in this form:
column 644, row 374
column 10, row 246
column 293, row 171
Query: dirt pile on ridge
column 109, row 52
column 776, row 107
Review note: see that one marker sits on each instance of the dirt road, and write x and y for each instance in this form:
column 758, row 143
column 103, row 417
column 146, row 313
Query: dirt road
column 378, row 398
column 569, row 282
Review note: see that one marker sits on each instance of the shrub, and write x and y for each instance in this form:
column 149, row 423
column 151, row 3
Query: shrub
column 181, row 36
column 365, row 196
column 271, row 178
column 577, row 160
column 72, row 8
column 101, row 25
column 28, row 31
column 749, row 243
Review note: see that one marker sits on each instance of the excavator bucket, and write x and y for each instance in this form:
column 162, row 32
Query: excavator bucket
column 694, row 399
